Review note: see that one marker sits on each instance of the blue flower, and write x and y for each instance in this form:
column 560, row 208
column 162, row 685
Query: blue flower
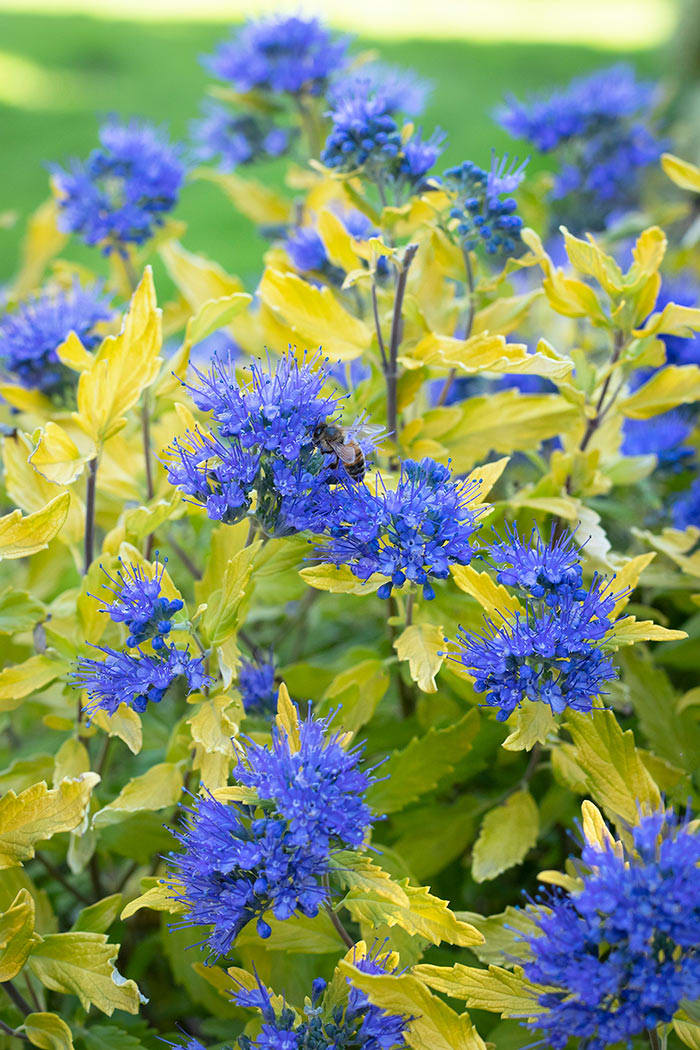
column 354, row 1025
column 596, row 127
column 414, row 532
column 125, row 679
column 282, row 54
column 235, row 139
column 401, row 89
column 686, row 507
column 419, row 155
column 661, row 436
column 217, row 474
column 139, row 604
column 123, row 191
column 552, row 652
column 241, row 860
column 620, row 955
column 30, row 336
column 256, row 683
column 482, row 217
column 306, row 249
column 364, row 133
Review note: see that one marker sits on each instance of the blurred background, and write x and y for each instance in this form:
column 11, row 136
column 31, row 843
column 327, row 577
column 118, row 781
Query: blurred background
column 66, row 63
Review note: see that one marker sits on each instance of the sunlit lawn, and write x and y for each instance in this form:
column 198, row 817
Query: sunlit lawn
column 58, row 73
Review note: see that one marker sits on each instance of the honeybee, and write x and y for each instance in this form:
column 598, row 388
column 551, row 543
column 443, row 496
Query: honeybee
column 341, row 442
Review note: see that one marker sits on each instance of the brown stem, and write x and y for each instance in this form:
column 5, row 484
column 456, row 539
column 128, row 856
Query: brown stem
column 468, row 324
column 391, row 372
column 17, row 998
column 409, row 609
column 94, row 869
column 11, row 1032
column 378, row 327
column 185, row 559
column 654, row 1041
column 56, row 874
column 601, row 409
column 335, row 919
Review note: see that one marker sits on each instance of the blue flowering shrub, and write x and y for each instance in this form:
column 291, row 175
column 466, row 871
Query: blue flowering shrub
column 350, row 615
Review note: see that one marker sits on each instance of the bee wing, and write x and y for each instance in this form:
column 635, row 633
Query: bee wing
column 346, row 453
column 368, row 432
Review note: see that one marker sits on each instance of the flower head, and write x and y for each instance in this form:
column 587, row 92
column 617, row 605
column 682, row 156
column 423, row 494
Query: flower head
column 123, row 191
column 121, row 678
column 235, row 139
column 550, row 652
column 283, row 54
column 662, row 436
column 419, row 155
column 31, row 334
column 364, row 133
column 241, row 860
column 306, row 249
column 355, row 1025
column 413, row 532
column 217, row 474
column 256, row 682
column 138, row 603
column 619, row 955
column 686, row 507
column 401, row 89
column 483, row 218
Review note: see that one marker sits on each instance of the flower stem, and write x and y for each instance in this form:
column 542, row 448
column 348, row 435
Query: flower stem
column 11, row 1032
column 654, row 1040
column 90, row 493
column 391, row 371
column 334, row 917
column 468, row 324
column 601, row 409
column 17, row 998
column 56, row 874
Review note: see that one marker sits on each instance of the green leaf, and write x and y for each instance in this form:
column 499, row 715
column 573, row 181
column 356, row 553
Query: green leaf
column 340, row 580
column 158, row 895
column 19, row 611
column 298, row 935
column 48, row 1031
column 422, row 645
column 17, row 937
column 37, row 813
column 21, row 680
column 224, row 604
column 433, row 1026
column 497, row 990
column 97, row 918
column 615, row 773
column 507, row 834
column 109, row 1037
column 503, row 935
column 357, row 690
column 422, row 764
column 82, row 964
column 161, row 786
column 372, row 894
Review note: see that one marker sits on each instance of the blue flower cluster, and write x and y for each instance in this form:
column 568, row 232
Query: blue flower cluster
column 620, row 955
column 686, row 507
column 123, row 678
column 235, row 139
column 283, row 54
column 662, row 436
column 413, row 532
column 551, row 653
column 139, row 604
column 256, row 683
column 482, row 216
column 307, row 252
column 265, row 445
column 597, row 127
column 125, row 188
column 366, row 134
column 355, row 1025
column 241, row 860
column 30, row 335
column 402, row 89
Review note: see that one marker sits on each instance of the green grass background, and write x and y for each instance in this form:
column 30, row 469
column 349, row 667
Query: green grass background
column 61, row 73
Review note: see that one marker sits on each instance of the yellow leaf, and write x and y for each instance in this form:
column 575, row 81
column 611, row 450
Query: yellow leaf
column 422, row 644
column 17, row 937
column 42, row 241
column 682, row 172
column 20, row 536
column 287, row 718
column 674, row 319
column 159, row 787
column 487, row 476
column 315, row 316
column 588, row 258
column 82, row 964
column 338, row 580
column 594, row 827
column 531, row 723
column 430, row 917
column 495, row 599
column 48, row 1031
column 31, row 401
column 630, row 630
column 124, row 723
column 37, row 813
column 496, row 989
column 73, row 354
column 212, row 727
column 649, row 251
column 123, row 367
column 20, row 680
column 57, row 457
column 257, row 202
column 433, row 1025
column 159, row 896
column 507, row 834
column 486, row 352
column 626, row 579
column 199, row 279
column 31, row 492
column 339, row 244
column 687, row 1031
column 667, row 388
